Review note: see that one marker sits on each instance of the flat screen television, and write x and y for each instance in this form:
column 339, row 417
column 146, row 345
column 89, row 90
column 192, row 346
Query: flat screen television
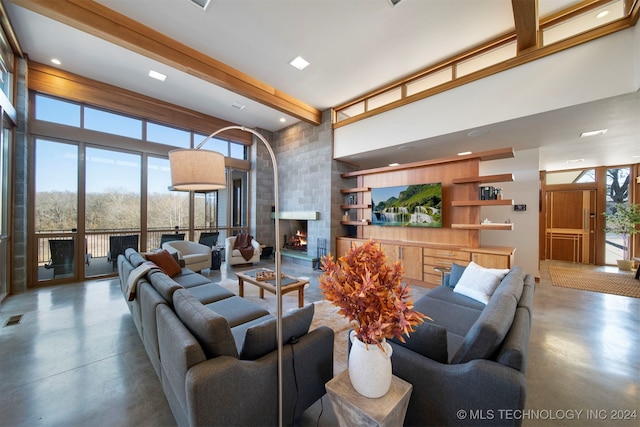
column 407, row 206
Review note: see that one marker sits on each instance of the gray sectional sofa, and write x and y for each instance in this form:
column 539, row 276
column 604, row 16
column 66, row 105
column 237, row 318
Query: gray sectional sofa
column 215, row 353
column 467, row 367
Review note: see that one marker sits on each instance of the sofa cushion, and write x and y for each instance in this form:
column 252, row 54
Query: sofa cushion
column 189, row 279
column 240, row 331
column 210, row 292
column 237, row 310
column 453, row 317
column 134, row 257
column 208, row 327
column 261, row 339
column 429, row 340
column 166, row 262
column 445, row 293
column 454, row 275
column 514, row 350
column 488, row 332
column 164, row 284
column 478, row 282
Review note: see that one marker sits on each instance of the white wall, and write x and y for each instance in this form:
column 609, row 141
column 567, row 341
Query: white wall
column 602, row 68
column 523, row 190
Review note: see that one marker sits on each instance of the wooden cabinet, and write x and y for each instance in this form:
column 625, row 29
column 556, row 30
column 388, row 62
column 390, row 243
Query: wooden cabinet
column 409, row 256
column 420, row 260
column 435, row 258
column 493, row 257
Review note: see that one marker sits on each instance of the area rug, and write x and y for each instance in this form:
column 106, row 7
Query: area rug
column 325, row 314
column 595, row 281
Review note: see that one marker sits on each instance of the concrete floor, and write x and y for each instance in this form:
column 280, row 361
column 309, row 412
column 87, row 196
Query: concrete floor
column 74, row 358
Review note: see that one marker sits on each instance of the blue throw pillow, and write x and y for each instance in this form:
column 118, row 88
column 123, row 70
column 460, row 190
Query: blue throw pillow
column 455, row 274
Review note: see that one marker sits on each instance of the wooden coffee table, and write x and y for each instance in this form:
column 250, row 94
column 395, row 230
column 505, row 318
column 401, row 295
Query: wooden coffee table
column 287, row 284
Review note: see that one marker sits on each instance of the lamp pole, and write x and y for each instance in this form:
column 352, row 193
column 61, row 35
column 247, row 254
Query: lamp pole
column 277, row 253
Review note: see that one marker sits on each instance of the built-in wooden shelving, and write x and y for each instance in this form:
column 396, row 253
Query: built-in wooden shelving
column 491, row 226
column 355, row 190
column 505, row 177
column 355, row 206
column 365, row 222
column 500, row 202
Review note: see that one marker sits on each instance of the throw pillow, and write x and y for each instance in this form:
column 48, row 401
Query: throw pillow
column 166, row 262
column 455, row 274
column 262, row 339
column 479, row 283
column 208, row 327
column 429, row 340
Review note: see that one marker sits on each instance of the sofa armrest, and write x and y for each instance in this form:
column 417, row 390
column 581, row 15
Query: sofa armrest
column 215, row 386
column 487, row 391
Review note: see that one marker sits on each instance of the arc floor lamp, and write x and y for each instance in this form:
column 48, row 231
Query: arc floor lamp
column 195, row 169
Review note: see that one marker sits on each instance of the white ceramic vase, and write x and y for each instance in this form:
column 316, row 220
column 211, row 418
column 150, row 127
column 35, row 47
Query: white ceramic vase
column 369, row 368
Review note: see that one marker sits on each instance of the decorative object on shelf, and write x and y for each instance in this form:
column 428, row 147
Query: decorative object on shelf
column 624, row 220
column 370, row 293
column 203, row 170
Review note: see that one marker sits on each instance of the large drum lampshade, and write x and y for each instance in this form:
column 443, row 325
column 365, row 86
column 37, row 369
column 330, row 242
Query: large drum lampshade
column 196, row 170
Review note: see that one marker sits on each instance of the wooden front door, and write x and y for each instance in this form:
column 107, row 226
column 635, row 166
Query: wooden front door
column 570, row 226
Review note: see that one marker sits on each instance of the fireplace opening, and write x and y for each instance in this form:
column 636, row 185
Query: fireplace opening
column 295, row 235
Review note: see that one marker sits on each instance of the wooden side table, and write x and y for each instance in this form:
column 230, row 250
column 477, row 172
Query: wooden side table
column 353, row 409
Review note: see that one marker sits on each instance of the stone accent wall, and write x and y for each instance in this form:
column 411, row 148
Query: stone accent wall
column 19, row 158
column 306, row 179
column 262, row 201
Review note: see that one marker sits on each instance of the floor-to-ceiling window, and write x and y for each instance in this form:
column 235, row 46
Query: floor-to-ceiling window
column 56, row 208
column 103, row 182
column 5, row 206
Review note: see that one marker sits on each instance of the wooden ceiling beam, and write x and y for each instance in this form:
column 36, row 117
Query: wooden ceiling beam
column 525, row 15
column 100, row 21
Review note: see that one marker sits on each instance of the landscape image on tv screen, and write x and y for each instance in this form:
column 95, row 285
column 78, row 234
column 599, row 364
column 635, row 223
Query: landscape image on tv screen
column 407, row 205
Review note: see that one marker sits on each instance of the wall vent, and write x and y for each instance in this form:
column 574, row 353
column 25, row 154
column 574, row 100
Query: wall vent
column 203, row 4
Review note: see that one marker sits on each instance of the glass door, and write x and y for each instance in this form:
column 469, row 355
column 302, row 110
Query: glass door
column 56, row 210
column 111, row 208
column 617, row 193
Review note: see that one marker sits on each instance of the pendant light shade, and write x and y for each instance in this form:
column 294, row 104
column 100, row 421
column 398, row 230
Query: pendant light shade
column 196, row 170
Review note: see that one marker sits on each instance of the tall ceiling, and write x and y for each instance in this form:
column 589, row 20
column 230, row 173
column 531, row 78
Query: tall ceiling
column 353, row 47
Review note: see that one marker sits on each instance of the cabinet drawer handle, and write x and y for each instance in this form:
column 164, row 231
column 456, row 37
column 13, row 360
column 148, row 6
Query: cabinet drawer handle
column 445, row 254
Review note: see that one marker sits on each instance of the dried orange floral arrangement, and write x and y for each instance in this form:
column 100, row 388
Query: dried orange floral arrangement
column 369, row 292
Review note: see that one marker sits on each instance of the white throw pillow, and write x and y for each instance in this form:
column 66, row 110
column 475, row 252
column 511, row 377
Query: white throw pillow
column 479, row 283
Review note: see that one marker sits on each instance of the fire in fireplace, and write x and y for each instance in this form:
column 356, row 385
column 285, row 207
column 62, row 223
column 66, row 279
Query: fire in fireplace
column 295, row 234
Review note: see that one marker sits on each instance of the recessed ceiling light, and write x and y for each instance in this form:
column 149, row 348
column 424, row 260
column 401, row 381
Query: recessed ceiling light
column 201, row 3
column 477, row 132
column 299, row 62
column 156, row 75
column 602, row 14
column 56, row 61
column 593, row 133
column 394, row 164
column 238, row 106
column 575, row 161
column 405, row 148
column 465, row 153
column 282, row 120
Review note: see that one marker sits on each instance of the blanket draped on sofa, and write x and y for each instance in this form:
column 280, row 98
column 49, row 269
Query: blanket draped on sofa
column 243, row 244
